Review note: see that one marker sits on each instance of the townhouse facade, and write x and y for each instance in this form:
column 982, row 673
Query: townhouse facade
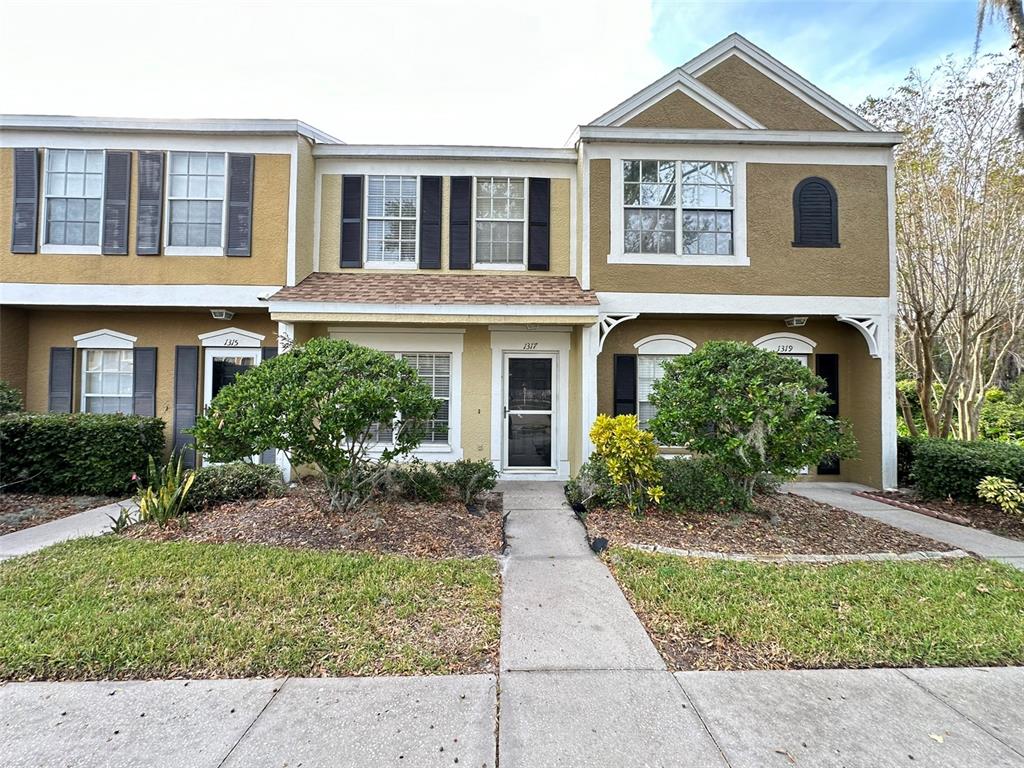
column 148, row 262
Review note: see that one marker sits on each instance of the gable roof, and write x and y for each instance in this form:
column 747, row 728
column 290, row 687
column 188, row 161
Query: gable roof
column 737, row 45
column 676, row 81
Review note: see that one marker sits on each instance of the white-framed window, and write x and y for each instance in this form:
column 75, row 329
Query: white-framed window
column 649, row 369
column 392, row 216
column 435, row 368
column 73, row 193
column 683, row 208
column 107, row 380
column 500, row 221
column 195, row 202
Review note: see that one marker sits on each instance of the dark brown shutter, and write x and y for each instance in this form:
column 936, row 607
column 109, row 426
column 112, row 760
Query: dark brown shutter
column 460, row 222
column 25, row 211
column 624, row 386
column 430, row 222
column 62, row 379
column 269, row 455
column 239, row 235
column 815, row 214
column 352, row 221
column 144, row 381
column 117, row 184
column 150, row 208
column 186, row 398
column 540, row 225
column 827, row 366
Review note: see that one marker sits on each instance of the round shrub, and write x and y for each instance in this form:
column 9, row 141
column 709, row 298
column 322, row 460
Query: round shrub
column 698, row 485
column 237, row 481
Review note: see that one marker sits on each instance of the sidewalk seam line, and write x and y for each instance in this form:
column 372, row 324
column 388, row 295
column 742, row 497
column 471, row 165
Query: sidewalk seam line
column 700, row 717
column 248, row 728
column 964, row 715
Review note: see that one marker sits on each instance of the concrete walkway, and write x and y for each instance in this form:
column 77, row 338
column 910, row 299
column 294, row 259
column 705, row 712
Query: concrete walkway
column 981, row 543
column 91, row 522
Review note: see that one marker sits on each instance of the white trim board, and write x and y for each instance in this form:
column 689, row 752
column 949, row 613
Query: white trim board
column 740, row 304
column 109, row 295
column 741, row 136
column 104, row 339
column 444, row 152
column 517, row 310
column 231, row 338
column 737, row 45
column 675, row 81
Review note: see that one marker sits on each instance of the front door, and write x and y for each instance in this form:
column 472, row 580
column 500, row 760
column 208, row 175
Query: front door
column 223, row 364
column 529, row 411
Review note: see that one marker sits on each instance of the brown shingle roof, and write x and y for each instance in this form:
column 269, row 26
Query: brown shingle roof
column 377, row 288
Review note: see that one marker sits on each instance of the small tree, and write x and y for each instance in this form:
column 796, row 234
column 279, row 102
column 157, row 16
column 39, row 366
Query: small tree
column 750, row 411
column 320, row 403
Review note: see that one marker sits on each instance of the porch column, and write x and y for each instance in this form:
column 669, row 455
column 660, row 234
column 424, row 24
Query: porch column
column 285, row 339
column 887, row 350
column 590, row 351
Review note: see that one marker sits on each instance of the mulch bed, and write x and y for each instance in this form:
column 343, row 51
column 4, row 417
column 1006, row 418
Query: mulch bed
column 25, row 510
column 976, row 514
column 301, row 519
column 786, row 524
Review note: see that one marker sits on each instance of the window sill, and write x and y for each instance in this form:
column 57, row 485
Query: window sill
column 520, row 267
column 734, row 260
column 435, row 452
column 390, row 265
column 71, row 250
column 182, row 250
column 814, row 245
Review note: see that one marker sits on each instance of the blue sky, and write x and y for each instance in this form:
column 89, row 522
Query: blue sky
column 502, row 72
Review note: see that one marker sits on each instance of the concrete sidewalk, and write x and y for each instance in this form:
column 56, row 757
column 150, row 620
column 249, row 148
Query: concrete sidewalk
column 979, row 542
column 91, row 522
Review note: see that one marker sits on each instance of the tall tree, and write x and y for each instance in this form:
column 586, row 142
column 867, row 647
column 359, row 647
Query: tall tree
column 959, row 234
column 1013, row 10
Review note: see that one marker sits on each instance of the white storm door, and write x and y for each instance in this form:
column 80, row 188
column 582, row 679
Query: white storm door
column 529, row 412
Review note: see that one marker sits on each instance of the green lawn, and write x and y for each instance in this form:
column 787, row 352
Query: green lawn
column 115, row 608
column 719, row 614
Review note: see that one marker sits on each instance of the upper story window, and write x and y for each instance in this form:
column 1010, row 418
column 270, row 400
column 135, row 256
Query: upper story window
column 74, row 196
column 815, row 214
column 673, row 207
column 107, row 380
column 196, row 200
column 500, row 220
column 391, row 215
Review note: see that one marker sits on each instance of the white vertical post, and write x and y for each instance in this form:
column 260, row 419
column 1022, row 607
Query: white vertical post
column 887, row 351
column 285, row 339
column 590, row 351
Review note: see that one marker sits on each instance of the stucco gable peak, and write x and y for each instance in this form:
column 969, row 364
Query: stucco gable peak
column 735, row 45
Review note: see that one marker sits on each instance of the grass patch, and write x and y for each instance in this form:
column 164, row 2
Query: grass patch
column 110, row 608
column 708, row 614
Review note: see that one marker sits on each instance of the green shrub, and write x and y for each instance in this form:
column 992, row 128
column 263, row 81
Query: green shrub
column 749, row 410
column 77, row 453
column 320, row 404
column 950, row 468
column 10, row 399
column 628, row 453
column 697, row 485
column 467, row 479
column 593, row 486
column 415, row 480
column 163, row 495
column 236, row 481
column 1001, row 419
column 1003, row 492
column 905, row 460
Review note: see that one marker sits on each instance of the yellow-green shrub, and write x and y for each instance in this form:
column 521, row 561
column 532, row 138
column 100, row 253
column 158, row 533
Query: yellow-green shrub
column 628, row 453
column 1002, row 492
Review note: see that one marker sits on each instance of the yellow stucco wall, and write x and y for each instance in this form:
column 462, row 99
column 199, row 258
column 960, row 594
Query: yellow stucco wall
column 859, row 374
column 330, row 228
column 305, row 209
column 764, row 99
column 14, row 346
column 163, row 330
column 676, row 110
column 859, row 267
column 266, row 266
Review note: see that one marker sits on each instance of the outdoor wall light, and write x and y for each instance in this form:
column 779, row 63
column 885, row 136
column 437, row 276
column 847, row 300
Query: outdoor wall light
column 222, row 314
column 796, row 322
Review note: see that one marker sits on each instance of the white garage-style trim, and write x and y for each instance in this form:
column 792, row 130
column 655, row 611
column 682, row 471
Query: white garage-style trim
column 105, row 339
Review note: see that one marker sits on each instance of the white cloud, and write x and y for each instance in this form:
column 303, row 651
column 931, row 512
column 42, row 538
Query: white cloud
column 456, row 72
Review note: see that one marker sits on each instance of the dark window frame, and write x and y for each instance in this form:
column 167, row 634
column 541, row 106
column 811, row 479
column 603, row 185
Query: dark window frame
column 833, row 241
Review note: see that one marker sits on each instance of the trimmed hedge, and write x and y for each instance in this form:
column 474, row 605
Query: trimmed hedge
column 76, row 453
column 950, row 468
column 237, row 481
column 905, row 459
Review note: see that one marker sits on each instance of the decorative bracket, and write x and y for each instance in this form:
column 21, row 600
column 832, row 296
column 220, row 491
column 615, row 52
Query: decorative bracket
column 605, row 323
column 869, row 327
